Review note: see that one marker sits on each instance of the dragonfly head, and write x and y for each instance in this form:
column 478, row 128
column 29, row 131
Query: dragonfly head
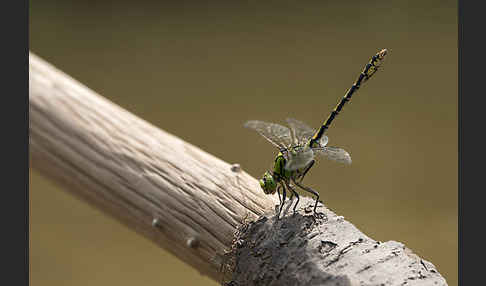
column 268, row 184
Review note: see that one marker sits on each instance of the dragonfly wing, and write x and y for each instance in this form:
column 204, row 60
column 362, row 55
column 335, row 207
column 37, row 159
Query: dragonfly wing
column 334, row 153
column 298, row 158
column 277, row 134
column 302, row 131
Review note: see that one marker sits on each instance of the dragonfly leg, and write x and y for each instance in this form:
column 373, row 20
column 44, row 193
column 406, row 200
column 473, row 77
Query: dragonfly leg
column 291, row 188
column 284, row 196
column 310, row 191
column 307, row 170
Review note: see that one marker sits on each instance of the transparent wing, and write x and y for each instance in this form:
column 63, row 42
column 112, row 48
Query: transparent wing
column 276, row 134
column 302, row 132
column 334, row 153
column 298, row 158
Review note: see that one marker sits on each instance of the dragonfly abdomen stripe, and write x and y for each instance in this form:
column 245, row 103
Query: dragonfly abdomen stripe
column 368, row 71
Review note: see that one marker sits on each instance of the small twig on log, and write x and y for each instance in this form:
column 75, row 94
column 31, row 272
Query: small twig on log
column 192, row 203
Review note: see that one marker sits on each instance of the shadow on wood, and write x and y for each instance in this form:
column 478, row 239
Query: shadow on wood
column 303, row 249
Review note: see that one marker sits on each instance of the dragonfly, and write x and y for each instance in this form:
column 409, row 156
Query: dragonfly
column 299, row 145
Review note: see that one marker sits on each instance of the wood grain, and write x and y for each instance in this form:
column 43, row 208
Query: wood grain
column 137, row 172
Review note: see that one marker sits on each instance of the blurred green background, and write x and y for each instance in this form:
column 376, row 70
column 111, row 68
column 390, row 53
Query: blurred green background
column 200, row 70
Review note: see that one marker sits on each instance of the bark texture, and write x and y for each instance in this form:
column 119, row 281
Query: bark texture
column 303, row 249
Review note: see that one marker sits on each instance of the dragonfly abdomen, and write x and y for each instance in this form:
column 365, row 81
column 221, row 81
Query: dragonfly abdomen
column 368, row 71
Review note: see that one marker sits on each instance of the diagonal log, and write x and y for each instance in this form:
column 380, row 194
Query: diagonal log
column 208, row 213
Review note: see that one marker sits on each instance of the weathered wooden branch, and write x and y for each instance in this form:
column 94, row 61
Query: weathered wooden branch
column 192, row 203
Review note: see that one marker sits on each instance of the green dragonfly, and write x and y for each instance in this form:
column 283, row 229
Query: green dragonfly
column 299, row 145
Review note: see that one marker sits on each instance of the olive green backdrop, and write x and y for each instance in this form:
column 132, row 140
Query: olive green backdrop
column 200, row 70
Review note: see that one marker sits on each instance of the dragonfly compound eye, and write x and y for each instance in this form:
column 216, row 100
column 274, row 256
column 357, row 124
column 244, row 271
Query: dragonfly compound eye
column 262, row 183
column 268, row 184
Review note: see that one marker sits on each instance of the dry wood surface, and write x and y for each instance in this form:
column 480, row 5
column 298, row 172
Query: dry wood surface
column 208, row 213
